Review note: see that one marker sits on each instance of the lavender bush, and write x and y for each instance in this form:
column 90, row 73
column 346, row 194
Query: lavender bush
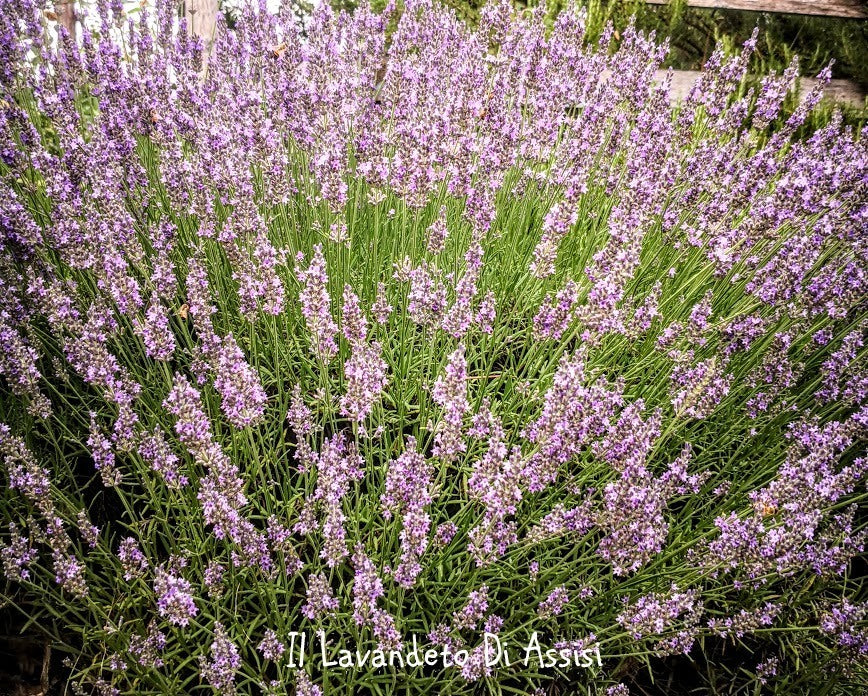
column 397, row 329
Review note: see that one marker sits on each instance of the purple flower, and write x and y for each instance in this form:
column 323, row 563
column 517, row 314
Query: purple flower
column 270, row 647
column 745, row 620
column 475, row 666
column 633, row 513
column 767, row 669
column 450, row 394
column 460, row 316
column 18, row 363
column 221, row 493
column 555, row 315
column 562, row 521
column 69, row 573
column 103, row 454
column 243, row 398
column 686, row 268
column 489, row 540
column 146, row 649
column 199, row 302
column 193, row 427
column 473, row 611
column 574, row 413
column 315, row 305
column 103, row 688
column 133, row 561
column 25, row 475
column 409, row 490
column 674, row 615
column 116, row 664
column 445, row 534
column 213, row 579
column 845, row 623
column 697, row 389
column 367, row 590
column 304, row 686
column 493, row 624
column 437, row 233
column 321, row 601
column 89, row 532
column 554, row 604
column 17, row 555
column 558, row 221
column 155, row 332
column 300, row 420
column 486, row 313
column 339, row 464
column 381, row 309
column 791, row 526
column 174, row 598
column 428, row 297
column 365, row 370
column 155, row 450
column 843, row 378
column 219, row 670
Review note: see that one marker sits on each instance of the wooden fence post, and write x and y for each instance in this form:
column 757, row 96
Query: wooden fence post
column 201, row 18
column 65, row 11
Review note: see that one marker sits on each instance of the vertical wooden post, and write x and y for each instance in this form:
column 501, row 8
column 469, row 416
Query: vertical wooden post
column 202, row 22
column 65, row 11
column 202, row 18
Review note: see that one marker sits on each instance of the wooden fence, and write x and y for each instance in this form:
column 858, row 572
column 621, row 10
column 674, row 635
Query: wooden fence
column 856, row 9
column 841, row 91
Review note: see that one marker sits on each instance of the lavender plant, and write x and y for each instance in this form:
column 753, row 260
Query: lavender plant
column 405, row 331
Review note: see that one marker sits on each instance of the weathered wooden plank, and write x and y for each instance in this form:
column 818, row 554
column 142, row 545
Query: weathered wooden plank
column 64, row 14
column 201, row 18
column 841, row 91
column 828, row 8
